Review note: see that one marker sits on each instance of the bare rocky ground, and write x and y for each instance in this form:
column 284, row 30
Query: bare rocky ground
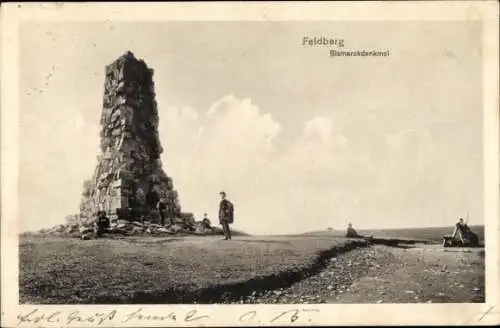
column 382, row 274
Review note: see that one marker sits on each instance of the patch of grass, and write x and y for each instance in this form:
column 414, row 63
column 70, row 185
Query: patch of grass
column 57, row 270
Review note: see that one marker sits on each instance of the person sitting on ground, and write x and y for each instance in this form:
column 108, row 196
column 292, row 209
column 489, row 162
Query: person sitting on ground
column 463, row 233
column 102, row 223
column 206, row 222
column 459, row 230
column 351, row 233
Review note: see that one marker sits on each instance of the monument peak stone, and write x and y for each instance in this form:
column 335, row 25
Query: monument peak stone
column 129, row 180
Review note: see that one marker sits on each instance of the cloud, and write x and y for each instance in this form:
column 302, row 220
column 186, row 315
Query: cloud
column 189, row 113
column 322, row 129
column 232, row 149
column 221, row 104
column 322, row 180
column 239, row 126
column 229, row 149
column 321, row 139
column 318, row 127
column 322, row 177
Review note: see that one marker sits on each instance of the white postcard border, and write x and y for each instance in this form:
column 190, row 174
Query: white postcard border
column 229, row 315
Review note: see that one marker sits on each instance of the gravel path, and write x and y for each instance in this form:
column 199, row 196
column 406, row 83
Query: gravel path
column 381, row 274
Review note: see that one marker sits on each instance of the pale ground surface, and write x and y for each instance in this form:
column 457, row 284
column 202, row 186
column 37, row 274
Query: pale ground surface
column 147, row 270
column 424, row 274
column 382, row 274
column 53, row 268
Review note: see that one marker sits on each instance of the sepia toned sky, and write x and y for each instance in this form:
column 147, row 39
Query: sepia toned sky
column 299, row 140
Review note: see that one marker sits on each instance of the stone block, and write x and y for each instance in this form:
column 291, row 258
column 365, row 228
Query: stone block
column 116, row 132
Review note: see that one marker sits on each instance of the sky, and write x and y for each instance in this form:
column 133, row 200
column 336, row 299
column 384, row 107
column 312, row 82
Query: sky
column 299, row 140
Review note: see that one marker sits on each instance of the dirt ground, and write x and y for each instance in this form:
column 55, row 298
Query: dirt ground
column 187, row 270
column 426, row 273
column 382, row 274
column 158, row 270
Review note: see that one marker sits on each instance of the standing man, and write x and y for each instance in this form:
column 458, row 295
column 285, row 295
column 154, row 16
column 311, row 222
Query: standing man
column 226, row 215
column 162, row 207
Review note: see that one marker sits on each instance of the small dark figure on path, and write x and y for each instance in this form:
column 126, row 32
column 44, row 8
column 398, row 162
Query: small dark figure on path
column 102, row 223
column 162, row 209
column 226, row 215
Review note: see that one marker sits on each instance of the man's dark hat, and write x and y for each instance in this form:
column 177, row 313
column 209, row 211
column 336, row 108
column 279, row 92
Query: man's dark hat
column 223, row 193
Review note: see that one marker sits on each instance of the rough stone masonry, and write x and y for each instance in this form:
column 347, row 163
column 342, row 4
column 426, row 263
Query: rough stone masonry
column 129, row 180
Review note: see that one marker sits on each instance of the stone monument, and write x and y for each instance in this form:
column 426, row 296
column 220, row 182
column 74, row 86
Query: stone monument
column 129, row 180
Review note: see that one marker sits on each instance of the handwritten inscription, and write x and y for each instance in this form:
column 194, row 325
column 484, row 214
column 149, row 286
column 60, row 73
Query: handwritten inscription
column 37, row 316
column 486, row 313
column 139, row 315
column 98, row 319
column 192, row 316
column 248, row 316
column 304, row 315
